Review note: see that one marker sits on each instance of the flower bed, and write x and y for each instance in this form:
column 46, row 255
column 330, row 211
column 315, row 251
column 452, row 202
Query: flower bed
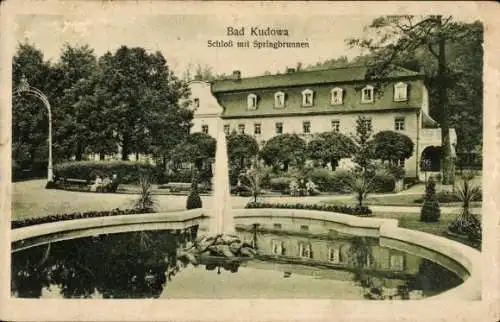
column 343, row 209
column 74, row 215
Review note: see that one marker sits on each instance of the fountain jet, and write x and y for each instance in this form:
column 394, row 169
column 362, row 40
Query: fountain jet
column 222, row 219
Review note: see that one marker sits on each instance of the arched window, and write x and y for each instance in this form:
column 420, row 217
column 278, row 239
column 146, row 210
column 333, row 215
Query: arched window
column 400, row 92
column 279, row 100
column 367, row 94
column 307, row 97
column 252, row 102
column 337, row 98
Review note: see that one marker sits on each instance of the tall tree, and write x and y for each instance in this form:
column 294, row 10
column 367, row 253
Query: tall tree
column 283, row 150
column 141, row 96
column 75, row 107
column 241, row 147
column 330, row 147
column 29, row 115
column 392, row 146
column 397, row 38
column 364, row 152
column 197, row 148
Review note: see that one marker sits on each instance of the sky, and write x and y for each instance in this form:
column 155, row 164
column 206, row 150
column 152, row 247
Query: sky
column 182, row 38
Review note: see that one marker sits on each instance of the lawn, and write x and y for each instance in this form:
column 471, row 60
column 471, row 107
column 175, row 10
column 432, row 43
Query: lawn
column 401, row 200
column 30, row 199
column 412, row 221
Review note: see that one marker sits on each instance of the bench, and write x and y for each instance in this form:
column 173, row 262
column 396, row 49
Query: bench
column 66, row 182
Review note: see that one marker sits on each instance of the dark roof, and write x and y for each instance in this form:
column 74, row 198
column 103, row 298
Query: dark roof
column 334, row 75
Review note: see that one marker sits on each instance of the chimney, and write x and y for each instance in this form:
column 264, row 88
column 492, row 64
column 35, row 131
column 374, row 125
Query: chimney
column 197, row 77
column 236, row 75
column 290, row 70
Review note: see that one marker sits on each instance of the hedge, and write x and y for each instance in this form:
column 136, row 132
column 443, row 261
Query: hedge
column 74, row 215
column 127, row 171
column 280, row 183
column 343, row 209
column 330, row 181
column 383, row 182
column 447, row 197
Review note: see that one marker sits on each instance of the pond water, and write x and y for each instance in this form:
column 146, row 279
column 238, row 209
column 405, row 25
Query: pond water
column 146, row 265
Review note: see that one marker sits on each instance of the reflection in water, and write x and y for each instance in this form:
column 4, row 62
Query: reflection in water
column 130, row 265
column 141, row 264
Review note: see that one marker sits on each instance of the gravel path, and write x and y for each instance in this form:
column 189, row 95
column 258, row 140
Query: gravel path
column 30, row 199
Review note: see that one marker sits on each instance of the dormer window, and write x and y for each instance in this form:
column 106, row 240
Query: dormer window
column 400, row 92
column 336, row 98
column 279, row 100
column 307, row 97
column 252, row 102
column 367, row 94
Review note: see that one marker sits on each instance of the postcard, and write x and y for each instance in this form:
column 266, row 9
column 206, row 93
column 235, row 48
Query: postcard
column 257, row 161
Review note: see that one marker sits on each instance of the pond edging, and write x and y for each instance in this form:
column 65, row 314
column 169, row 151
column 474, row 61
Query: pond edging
column 385, row 229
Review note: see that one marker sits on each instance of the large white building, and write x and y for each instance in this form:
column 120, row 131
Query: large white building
column 310, row 102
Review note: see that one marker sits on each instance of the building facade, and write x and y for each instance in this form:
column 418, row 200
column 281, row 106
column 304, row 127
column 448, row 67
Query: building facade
column 312, row 102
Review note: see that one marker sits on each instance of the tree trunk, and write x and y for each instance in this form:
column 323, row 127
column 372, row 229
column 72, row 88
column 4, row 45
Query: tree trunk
column 125, row 148
column 79, row 152
column 242, row 163
column 447, row 159
column 285, row 166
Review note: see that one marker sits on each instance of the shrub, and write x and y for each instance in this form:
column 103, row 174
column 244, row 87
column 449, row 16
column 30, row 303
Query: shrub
column 330, row 181
column 430, row 211
column 145, row 201
column 466, row 222
column 127, row 171
column 71, row 216
column 180, row 175
column 280, row 183
column 447, row 197
column 194, row 200
column 383, row 182
column 344, row 209
column 242, row 191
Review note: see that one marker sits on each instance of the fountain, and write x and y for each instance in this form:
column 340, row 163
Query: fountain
column 222, row 220
column 219, row 245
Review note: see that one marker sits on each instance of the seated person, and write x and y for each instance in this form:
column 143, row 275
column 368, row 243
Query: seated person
column 106, row 183
column 97, row 184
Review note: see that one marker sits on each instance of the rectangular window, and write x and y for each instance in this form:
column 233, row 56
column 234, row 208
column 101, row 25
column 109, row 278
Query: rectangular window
column 241, row 128
column 277, row 226
column 306, row 126
column 334, row 255
column 256, row 128
column 279, row 128
column 336, row 126
column 304, row 227
column 204, row 128
column 305, row 250
column 307, row 97
column 277, row 247
column 252, row 102
column 399, row 123
column 226, row 129
column 196, row 102
column 397, row 262
column 367, row 94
